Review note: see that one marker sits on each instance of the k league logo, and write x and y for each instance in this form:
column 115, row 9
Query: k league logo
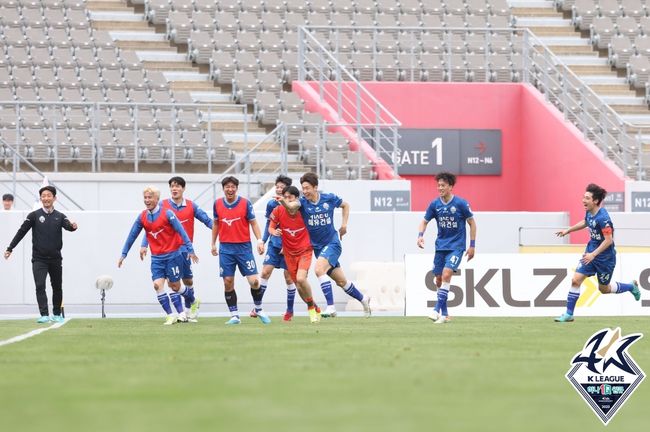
column 604, row 373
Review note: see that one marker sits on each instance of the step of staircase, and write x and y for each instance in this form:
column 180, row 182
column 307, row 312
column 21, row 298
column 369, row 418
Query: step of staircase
column 121, row 25
column 145, row 46
column 551, row 30
column 613, row 90
column 107, row 5
column 170, row 66
column 535, row 12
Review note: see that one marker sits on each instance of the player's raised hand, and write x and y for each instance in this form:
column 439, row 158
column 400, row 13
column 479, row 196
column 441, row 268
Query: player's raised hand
column 193, row 257
column 143, row 253
column 214, row 250
column 420, row 242
column 7, row 254
column 342, row 231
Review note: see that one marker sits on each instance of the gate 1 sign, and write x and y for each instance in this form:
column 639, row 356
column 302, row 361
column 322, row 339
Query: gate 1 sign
column 459, row 151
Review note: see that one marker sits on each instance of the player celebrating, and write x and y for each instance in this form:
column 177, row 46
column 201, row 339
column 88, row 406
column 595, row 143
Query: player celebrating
column 451, row 213
column 166, row 236
column 600, row 255
column 274, row 257
column 317, row 209
column 232, row 217
column 186, row 211
column 286, row 224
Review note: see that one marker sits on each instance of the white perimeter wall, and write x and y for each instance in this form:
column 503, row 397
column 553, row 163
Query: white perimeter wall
column 93, row 250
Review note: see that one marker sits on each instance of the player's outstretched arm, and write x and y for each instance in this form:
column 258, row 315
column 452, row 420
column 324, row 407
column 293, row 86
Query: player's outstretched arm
column 133, row 235
column 215, row 235
column 472, row 239
column 577, row 227
column 421, row 230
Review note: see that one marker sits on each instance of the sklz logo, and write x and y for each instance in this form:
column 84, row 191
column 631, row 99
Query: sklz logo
column 154, row 234
column 229, row 221
column 292, row 232
column 604, row 373
column 477, row 285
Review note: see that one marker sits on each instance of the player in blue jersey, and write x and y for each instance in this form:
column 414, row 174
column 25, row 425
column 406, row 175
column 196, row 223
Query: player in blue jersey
column 600, row 254
column 274, row 257
column 166, row 236
column 451, row 213
column 186, row 211
column 317, row 209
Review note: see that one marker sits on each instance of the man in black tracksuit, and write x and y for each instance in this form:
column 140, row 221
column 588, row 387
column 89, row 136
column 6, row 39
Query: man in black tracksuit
column 46, row 224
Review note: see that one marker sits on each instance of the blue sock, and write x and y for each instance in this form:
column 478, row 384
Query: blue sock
column 163, row 299
column 188, row 295
column 326, row 287
column 177, row 301
column 571, row 301
column 441, row 304
column 624, row 287
column 291, row 296
column 352, row 291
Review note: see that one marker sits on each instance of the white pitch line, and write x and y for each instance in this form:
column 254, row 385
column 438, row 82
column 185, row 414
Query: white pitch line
column 22, row 337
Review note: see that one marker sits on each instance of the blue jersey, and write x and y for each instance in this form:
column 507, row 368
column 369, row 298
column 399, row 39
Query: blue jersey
column 451, row 218
column 319, row 219
column 275, row 241
column 596, row 223
column 152, row 216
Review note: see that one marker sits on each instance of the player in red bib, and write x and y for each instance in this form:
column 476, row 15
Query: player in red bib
column 233, row 219
column 185, row 211
column 296, row 245
column 166, row 236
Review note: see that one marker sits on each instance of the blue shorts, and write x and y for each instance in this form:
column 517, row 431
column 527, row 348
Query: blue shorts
column 229, row 261
column 447, row 259
column 274, row 257
column 603, row 270
column 167, row 268
column 331, row 252
column 186, row 269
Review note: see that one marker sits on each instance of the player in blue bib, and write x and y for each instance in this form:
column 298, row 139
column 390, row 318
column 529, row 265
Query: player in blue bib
column 451, row 213
column 317, row 209
column 600, row 254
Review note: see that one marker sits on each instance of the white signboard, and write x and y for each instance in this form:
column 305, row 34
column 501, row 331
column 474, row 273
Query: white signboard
column 524, row 285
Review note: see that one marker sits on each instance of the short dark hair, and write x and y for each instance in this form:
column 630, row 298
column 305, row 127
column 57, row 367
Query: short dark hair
column 229, row 179
column 178, row 180
column 597, row 193
column 291, row 190
column 447, row 177
column 47, row 188
column 7, row 197
column 310, row 178
column 284, row 180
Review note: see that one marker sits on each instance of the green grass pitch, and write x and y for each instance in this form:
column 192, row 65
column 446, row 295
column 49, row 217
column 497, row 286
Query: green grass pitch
column 344, row 374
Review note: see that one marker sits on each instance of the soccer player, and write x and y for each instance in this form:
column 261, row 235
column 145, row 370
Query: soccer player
column 289, row 226
column 233, row 218
column 317, row 209
column 166, row 238
column 600, row 255
column 452, row 213
column 186, row 211
column 274, row 258
column 47, row 225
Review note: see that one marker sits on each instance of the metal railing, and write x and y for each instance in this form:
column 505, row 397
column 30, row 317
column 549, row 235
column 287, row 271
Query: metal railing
column 13, row 154
column 324, row 58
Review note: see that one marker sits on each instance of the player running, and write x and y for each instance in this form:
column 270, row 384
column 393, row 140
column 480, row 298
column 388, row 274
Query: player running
column 166, row 237
column 233, row 218
column 600, row 255
column 288, row 225
column 274, row 258
column 186, row 211
column 317, row 209
column 452, row 213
